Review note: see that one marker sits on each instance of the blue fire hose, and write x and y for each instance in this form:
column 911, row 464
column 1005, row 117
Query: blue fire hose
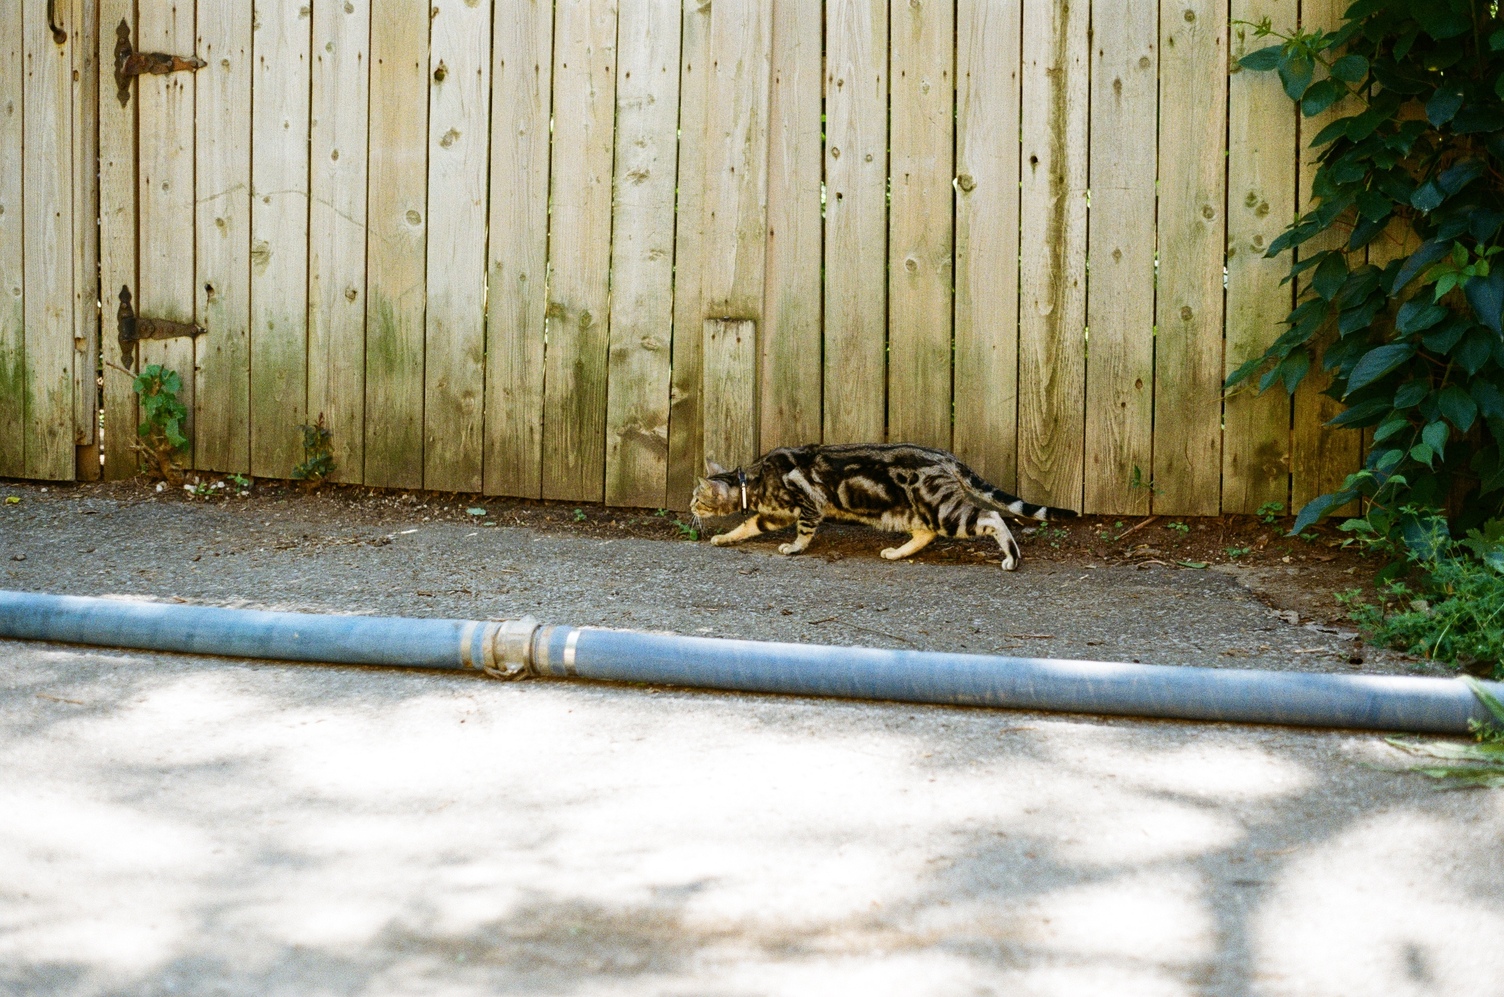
column 522, row 648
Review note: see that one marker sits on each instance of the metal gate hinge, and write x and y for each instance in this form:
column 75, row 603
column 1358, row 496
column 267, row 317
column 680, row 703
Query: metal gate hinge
column 130, row 63
column 134, row 328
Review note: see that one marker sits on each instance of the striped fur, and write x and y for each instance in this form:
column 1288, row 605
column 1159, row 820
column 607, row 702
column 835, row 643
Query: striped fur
column 894, row 487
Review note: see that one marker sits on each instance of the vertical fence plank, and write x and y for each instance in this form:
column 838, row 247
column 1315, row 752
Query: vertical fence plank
column 47, row 165
column 1052, row 272
column 685, row 422
column 337, row 229
column 117, row 240
column 1192, row 240
column 521, row 88
column 988, row 40
column 454, row 366
column 735, row 248
column 730, row 390
column 1321, row 457
column 281, row 37
column 920, row 229
column 164, row 196
column 84, row 40
column 1120, row 294
column 574, row 408
column 1260, row 203
column 12, row 272
column 223, row 260
column 789, row 393
column 642, row 254
column 856, row 220
column 396, row 275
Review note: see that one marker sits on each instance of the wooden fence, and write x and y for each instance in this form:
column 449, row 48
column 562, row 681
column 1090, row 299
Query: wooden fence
column 568, row 250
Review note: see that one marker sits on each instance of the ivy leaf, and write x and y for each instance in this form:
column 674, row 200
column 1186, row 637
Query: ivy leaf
column 1489, row 398
column 1458, row 406
column 1261, row 61
column 1496, row 40
column 1376, row 363
column 1421, row 453
column 1361, row 412
column 1435, row 435
column 1391, row 425
column 1350, row 68
column 1474, row 350
column 1428, row 253
column 1411, row 393
column 1486, row 295
column 1427, row 197
column 1320, row 96
column 1329, row 276
column 1460, row 174
column 1418, row 315
column 1295, row 72
column 1442, row 340
column 1444, row 105
column 1320, row 506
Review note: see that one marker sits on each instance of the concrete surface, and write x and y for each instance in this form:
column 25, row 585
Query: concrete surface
column 171, row 824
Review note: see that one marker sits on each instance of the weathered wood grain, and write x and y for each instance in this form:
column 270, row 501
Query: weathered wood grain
column 920, row 221
column 337, row 229
column 12, row 242
column 642, row 254
column 735, row 247
column 988, row 63
column 1188, row 362
column 281, row 78
column 856, row 220
column 459, row 111
column 574, row 393
column 165, row 198
column 1261, row 161
column 789, row 371
column 396, row 237
column 223, row 243
column 1120, row 293
column 1052, row 272
column 521, row 102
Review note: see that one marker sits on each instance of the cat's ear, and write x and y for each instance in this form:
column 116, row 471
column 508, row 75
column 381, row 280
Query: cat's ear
column 711, row 467
column 701, row 483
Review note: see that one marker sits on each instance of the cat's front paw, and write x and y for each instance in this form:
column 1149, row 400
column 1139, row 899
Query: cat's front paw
column 892, row 553
column 789, row 548
column 719, row 540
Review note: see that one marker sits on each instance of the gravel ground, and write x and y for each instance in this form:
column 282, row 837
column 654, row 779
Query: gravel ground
column 199, row 825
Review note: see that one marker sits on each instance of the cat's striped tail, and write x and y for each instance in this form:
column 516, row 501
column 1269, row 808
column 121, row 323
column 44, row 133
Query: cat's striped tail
column 986, row 493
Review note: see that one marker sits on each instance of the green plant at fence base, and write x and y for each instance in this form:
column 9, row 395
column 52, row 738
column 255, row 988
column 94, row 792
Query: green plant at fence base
column 1477, row 764
column 1136, row 481
column 1269, row 512
column 1414, row 158
column 579, row 515
column 1454, row 611
column 687, row 531
column 1180, row 528
column 318, row 455
column 160, row 434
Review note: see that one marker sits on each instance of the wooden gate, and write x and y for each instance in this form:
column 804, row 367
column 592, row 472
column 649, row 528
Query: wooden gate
column 567, row 250
column 48, row 344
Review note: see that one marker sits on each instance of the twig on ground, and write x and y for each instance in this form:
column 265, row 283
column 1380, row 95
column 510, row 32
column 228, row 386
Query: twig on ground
column 1135, row 527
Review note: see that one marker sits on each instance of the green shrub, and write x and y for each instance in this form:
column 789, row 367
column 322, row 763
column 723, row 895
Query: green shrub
column 1455, row 610
column 1415, row 348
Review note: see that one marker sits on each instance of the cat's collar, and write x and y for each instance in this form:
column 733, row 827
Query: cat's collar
column 741, row 478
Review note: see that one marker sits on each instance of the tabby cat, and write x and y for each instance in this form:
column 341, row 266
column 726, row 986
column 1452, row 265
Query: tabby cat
column 894, row 487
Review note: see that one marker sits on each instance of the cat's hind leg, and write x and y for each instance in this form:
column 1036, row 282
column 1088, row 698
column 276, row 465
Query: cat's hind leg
column 918, row 540
column 992, row 523
column 746, row 531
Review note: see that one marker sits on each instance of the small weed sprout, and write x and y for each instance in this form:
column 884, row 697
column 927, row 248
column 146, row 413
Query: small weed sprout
column 1478, row 764
column 579, row 515
column 687, row 531
column 1136, row 481
column 1269, row 512
column 1237, row 552
column 318, row 455
column 1180, row 528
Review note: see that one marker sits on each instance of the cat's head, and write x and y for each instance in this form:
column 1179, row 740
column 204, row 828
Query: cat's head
column 719, row 493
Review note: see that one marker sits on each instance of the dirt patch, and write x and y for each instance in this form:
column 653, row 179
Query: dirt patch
column 1299, row 574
